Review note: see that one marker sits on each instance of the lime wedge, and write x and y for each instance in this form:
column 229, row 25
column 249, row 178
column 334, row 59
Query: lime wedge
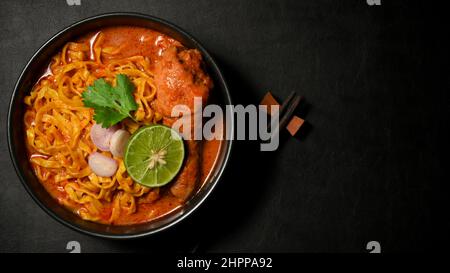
column 154, row 155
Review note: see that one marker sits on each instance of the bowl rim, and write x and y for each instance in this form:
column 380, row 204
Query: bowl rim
column 13, row 156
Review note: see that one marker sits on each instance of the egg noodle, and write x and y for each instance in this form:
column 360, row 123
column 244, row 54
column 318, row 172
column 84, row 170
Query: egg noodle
column 58, row 128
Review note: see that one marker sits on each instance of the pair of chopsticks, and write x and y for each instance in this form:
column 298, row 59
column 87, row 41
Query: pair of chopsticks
column 286, row 111
column 288, row 107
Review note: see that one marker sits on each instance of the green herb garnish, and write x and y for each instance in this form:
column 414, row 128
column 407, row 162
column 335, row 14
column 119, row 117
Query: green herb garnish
column 111, row 104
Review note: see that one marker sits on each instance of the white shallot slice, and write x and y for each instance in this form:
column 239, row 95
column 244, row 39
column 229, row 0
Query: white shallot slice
column 101, row 137
column 118, row 142
column 102, row 165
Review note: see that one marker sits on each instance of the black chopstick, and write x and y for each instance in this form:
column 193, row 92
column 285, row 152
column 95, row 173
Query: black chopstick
column 287, row 115
column 286, row 103
column 286, row 112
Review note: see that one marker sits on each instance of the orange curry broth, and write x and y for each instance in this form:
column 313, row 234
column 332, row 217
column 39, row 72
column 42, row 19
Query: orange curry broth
column 148, row 43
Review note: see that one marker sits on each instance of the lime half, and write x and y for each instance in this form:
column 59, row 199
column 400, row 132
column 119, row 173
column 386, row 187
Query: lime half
column 154, row 155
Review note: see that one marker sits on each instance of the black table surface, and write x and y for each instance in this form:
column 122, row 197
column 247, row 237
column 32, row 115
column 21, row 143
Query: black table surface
column 368, row 167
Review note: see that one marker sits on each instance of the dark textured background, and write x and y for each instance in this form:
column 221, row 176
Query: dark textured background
column 369, row 167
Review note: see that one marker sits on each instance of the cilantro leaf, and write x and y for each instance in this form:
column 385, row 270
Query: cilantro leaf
column 107, row 117
column 110, row 104
column 99, row 94
column 122, row 87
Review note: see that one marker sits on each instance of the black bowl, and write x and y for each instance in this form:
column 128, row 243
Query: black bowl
column 16, row 133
